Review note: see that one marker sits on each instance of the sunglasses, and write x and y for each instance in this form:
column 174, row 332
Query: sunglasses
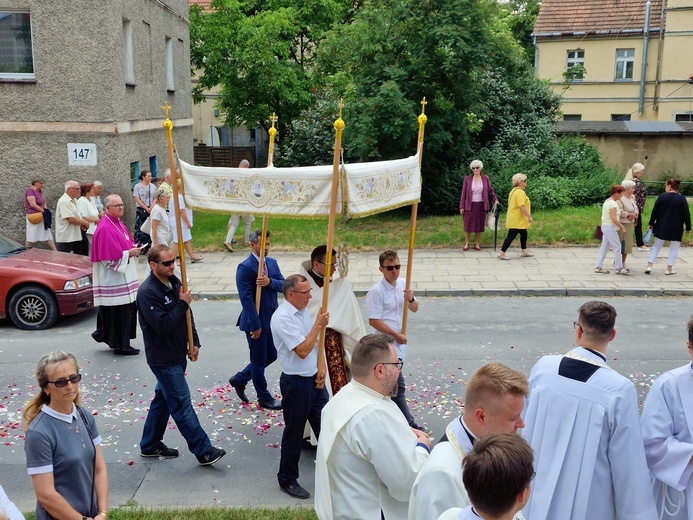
column 166, row 263
column 391, row 267
column 62, row 383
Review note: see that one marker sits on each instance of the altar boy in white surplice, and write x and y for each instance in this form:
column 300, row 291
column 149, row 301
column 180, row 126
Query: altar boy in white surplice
column 582, row 421
column 667, row 425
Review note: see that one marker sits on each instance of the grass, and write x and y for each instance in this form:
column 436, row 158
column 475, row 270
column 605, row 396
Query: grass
column 210, row 513
column 562, row 227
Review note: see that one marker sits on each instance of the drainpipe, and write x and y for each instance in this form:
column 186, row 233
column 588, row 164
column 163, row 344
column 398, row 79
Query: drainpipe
column 645, row 44
column 536, row 56
column 658, row 73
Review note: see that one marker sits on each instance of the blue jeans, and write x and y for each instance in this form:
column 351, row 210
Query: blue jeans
column 262, row 354
column 172, row 399
column 301, row 402
column 401, row 401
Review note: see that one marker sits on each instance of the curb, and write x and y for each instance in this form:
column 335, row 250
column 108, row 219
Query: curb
column 578, row 292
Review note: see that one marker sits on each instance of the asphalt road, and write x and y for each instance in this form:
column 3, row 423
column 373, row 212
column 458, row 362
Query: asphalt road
column 449, row 339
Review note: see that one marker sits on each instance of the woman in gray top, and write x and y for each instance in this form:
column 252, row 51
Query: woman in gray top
column 63, row 452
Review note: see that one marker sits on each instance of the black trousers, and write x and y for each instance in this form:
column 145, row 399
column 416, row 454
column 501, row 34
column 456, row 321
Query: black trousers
column 512, row 233
column 301, row 402
column 638, row 231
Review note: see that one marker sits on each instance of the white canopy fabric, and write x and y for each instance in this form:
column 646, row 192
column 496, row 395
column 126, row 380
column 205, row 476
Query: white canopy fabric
column 303, row 192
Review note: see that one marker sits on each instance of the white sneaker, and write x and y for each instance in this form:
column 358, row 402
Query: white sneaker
column 644, row 248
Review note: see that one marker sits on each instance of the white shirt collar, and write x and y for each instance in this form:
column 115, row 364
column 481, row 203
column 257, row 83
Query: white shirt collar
column 61, row 416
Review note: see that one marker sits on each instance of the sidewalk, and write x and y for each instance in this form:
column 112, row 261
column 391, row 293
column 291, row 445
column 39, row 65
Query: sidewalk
column 565, row 271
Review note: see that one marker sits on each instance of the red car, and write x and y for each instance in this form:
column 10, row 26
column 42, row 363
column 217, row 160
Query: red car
column 37, row 286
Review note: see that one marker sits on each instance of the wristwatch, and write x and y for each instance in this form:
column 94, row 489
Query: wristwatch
column 413, row 299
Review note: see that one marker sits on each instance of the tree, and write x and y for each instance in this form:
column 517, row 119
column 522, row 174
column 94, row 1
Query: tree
column 259, row 53
column 395, row 52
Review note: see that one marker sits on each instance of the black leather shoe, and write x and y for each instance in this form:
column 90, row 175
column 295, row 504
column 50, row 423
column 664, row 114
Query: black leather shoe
column 296, row 491
column 126, row 351
column 271, row 405
column 240, row 389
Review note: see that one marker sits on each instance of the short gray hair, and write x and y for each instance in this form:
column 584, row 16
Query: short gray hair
column 71, row 184
column 476, row 162
column 628, row 185
column 98, row 183
column 292, row 281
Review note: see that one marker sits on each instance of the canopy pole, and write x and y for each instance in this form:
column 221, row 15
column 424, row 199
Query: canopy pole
column 261, row 266
column 168, row 126
column 414, row 210
column 339, row 128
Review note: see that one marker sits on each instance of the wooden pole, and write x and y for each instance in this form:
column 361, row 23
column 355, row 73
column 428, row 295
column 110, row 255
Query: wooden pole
column 339, row 128
column 414, row 210
column 168, row 126
column 261, row 266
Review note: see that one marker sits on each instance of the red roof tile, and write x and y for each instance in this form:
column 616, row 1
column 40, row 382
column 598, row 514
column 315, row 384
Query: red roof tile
column 202, row 3
column 577, row 17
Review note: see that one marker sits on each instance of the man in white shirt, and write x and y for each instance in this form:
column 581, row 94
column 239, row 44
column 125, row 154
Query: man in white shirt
column 667, row 430
column 494, row 400
column 302, row 382
column 582, row 422
column 497, row 476
column 69, row 223
column 368, row 456
column 385, row 302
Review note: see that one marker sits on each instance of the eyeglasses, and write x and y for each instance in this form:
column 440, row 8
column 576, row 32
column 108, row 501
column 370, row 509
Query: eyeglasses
column 399, row 364
column 576, row 325
column 73, row 188
column 476, row 168
column 391, row 267
column 62, row 383
column 331, row 265
column 301, row 292
column 534, row 474
column 114, row 206
column 166, row 263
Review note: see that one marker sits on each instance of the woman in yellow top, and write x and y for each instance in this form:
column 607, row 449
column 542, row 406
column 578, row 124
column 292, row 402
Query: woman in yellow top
column 519, row 217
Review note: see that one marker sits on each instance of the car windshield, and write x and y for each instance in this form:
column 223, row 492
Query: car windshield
column 9, row 246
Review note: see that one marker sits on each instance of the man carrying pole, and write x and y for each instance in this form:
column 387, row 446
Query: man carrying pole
column 256, row 323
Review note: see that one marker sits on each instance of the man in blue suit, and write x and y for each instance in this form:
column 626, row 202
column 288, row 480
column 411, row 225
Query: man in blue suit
column 257, row 326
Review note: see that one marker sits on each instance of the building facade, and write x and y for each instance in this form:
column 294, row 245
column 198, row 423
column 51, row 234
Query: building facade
column 619, row 60
column 82, row 84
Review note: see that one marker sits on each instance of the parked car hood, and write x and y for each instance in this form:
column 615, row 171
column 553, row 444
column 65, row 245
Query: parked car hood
column 67, row 265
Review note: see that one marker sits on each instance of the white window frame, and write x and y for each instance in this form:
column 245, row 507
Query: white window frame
column 623, row 58
column 21, row 75
column 170, row 78
column 128, row 59
column 575, row 57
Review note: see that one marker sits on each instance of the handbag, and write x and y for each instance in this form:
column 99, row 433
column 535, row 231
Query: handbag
column 35, row 218
column 598, row 233
column 648, row 236
column 146, row 226
column 492, row 217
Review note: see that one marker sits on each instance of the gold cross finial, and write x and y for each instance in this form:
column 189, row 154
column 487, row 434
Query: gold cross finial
column 423, row 104
column 274, row 118
column 166, row 108
column 341, row 106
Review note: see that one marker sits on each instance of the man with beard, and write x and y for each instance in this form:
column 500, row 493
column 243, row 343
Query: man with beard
column 368, row 456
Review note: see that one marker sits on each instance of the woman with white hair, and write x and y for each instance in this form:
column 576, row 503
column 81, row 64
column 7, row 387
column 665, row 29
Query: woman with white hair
column 519, row 218
column 628, row 215
column 634, row 174
column 475, row 202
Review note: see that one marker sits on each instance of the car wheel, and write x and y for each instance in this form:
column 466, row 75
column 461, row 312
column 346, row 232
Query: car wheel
column 33, row 308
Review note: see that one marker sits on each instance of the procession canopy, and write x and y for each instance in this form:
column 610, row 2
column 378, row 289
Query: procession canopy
column 304, row 192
